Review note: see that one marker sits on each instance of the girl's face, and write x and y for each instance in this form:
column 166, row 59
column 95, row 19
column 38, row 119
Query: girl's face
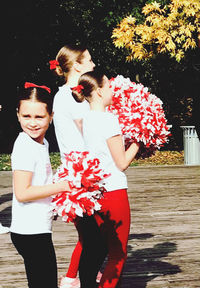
column 86, row 64
column 106, row 92
column 34, row 119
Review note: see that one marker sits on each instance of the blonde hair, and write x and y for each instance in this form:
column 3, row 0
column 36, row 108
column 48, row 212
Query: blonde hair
column 66, row 57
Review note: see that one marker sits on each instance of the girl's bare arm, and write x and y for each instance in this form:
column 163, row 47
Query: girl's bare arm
column 121, row 157
column 25, row 192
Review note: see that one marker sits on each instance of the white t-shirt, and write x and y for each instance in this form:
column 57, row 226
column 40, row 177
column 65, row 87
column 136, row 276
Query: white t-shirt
column 32, row 217
column 97, row 128
column 66, row 110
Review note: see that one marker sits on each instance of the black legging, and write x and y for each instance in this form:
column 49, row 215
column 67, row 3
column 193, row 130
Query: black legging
column 94, row 251
column 39, row 259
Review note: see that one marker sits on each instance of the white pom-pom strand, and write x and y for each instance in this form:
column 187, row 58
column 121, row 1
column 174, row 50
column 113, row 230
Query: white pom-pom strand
column 86, row 180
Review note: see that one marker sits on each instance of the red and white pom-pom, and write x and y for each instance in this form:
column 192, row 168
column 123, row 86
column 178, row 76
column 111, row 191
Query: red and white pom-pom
column 140, row 115
column 86, row 181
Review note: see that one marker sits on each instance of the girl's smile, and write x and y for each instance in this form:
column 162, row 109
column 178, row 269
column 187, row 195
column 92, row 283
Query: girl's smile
column 34, row 119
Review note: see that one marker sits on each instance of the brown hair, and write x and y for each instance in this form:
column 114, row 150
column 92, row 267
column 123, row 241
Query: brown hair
column 90, row 82
column 37, row 94
column 66, row 57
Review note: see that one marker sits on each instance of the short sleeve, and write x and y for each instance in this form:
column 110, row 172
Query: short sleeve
column 23, row 156
column 111, row 126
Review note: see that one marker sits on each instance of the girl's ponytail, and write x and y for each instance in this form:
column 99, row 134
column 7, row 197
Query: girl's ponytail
column 65, row 58
column 77, row 93
column 88, row 82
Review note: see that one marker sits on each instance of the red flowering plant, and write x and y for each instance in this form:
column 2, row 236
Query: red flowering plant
column 86, row 181
column 141, row 116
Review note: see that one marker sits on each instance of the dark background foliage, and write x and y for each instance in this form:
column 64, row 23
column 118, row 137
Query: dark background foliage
column 34, row 31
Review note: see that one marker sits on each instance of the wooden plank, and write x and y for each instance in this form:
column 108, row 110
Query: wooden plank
column 164, row 240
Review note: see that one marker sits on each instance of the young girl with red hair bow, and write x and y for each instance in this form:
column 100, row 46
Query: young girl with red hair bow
column 32, row 187
column 103, row 139
column 71, row 62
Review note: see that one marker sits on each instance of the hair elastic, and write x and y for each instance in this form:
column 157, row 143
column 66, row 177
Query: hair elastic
column 29, row 85
column 78, row 88
column 53, row 64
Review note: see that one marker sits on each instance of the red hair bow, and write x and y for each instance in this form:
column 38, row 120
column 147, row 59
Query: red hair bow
column 53, row 64
column 78, row 88
column 30, row 85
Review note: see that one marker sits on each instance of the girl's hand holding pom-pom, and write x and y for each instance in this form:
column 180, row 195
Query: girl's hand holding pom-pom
column 141, row 116
column 85, row 179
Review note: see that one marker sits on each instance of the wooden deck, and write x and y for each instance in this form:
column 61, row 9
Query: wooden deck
column 164, row 241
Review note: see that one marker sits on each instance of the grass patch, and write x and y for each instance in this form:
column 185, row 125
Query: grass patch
column 55, row 160
column 160, row 158
column 5, row 162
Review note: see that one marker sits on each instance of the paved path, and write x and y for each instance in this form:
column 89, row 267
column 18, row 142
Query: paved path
column 164, row 241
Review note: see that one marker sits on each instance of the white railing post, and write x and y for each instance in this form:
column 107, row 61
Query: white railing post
column 191, row 146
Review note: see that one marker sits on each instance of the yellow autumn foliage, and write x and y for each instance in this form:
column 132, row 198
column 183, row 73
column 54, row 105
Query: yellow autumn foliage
column 171, row 29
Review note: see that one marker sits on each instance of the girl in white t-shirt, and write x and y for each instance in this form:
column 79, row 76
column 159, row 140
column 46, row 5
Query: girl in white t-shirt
column 31, row 231
column 71, row 62
column 102, row 136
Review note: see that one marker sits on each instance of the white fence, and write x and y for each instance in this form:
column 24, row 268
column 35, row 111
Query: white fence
column 191, row 146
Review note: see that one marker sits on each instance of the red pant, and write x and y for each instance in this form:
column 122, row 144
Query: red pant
column 114, row 222
column 115, row 213
column 74, row 262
